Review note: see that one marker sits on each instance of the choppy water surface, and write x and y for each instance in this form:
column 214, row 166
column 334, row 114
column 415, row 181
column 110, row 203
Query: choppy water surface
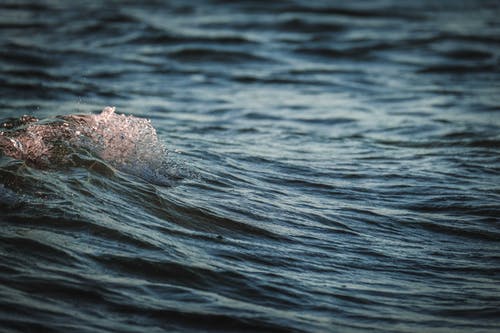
column 329, row 167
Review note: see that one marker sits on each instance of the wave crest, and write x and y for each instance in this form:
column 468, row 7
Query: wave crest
column 127, row 143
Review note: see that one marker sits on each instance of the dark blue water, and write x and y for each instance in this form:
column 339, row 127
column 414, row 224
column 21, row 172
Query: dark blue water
column 333, row 166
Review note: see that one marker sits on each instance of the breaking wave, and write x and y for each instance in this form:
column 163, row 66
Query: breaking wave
column 127, row 143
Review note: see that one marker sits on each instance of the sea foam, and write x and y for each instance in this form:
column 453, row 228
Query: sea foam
column 125, row 142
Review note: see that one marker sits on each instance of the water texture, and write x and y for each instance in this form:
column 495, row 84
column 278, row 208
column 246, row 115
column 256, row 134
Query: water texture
column 310, row 166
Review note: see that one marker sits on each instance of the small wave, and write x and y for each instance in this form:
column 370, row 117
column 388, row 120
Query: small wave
column 326, row 121
column 128, row 143
column 24, row 6
column 357, row 13
column 162, row 38
column 350, row 53
column 209, row 55
column 32, row 73
column 458, row 69
column 30, row 58
column 251, row 79
column 303, row 26
column 468, row 54
column 22, row 25
column 465, row 232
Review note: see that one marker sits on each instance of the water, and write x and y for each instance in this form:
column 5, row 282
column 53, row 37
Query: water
column 320, row 167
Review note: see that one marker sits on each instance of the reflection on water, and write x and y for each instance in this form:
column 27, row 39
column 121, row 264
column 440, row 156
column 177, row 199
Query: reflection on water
column 308, row 167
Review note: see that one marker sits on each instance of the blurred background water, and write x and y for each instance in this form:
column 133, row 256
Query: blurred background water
column 340, row 165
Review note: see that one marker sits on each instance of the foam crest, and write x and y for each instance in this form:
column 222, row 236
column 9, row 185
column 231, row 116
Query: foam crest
column 119, row 139
column 126, row 142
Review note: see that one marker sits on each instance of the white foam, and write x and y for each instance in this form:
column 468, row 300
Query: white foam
column 127, row 143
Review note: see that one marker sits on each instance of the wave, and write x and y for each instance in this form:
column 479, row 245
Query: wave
column 29, row 58
column 127, row 143
column 468, row 54
column 458, row 69
column 351, row 53
column 209, row 55
column 162, row 38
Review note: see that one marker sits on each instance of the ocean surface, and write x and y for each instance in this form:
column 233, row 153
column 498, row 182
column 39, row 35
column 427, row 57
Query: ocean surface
column 321, row 166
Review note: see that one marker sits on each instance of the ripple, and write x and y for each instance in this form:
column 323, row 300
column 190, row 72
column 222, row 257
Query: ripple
column 458, row 69
column 218, row 56
column 309, row 166
column 467, row 54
